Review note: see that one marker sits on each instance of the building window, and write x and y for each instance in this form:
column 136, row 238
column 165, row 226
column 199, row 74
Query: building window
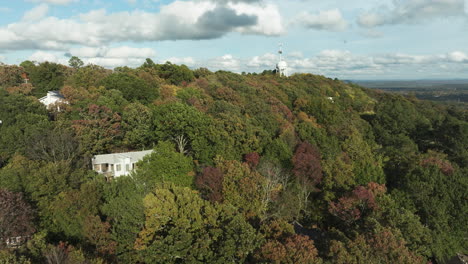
column 118, row 167
column 127, row 167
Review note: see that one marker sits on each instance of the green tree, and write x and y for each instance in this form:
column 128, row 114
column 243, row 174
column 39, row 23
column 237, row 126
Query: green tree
column 243, row 187
column 132, row 87
column 174, row 120
column 175, row 74
column 75, row 62
column 182, row 227
column 124, row 208
column 88, row 76
column 47, row 76
column 137, row 122
column 165, row 165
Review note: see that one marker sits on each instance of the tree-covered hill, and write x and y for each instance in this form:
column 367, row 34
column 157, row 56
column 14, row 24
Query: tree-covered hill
column 250, row 168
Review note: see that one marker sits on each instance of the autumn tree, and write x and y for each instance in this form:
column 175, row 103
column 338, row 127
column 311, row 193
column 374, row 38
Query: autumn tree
column 383, row 245
column 242, row 187
column 252, row 159
column 210, row 183
column 97, row 129
column 307, row 169
column 97, row 233
column 282, row 245
column 16, row 217
column 10, row 75
column 352, row 207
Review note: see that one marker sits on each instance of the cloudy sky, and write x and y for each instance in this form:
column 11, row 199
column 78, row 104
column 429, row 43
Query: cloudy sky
column 359, row 39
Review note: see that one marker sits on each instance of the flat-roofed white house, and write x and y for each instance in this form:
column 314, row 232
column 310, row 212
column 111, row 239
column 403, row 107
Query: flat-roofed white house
column 117, row 164
column 52, row 97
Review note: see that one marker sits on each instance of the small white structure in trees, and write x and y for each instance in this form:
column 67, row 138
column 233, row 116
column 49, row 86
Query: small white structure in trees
column 52, row 98
column 117, row 164
column 281, row 66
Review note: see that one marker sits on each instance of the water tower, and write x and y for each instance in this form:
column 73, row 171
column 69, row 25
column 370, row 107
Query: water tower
column 281, row 66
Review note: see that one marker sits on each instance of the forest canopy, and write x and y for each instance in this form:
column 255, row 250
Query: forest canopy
column 246, row 168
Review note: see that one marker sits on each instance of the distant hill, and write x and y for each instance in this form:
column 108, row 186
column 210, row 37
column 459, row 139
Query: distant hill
column 455, row 91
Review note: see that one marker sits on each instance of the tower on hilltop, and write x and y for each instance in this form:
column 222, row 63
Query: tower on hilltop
column 281, row 66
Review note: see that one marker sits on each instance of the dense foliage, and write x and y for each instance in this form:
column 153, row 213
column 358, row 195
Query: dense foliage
column 249, row 168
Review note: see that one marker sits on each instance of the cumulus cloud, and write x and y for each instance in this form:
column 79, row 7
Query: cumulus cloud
column 106, row 57
column 189, row 61
column 330, row 20
column 117, row 52
column 206, row 20
column 332, row 63
column 412, row 11
column 266, row 60
column 457, row 56
column 269, row 19
column 36, row 13
column 42, row 56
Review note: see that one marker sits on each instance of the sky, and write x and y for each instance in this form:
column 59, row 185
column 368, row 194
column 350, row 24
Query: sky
column 359, row 39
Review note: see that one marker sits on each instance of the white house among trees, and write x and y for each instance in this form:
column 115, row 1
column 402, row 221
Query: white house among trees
column 52, row 98
column 117, row 164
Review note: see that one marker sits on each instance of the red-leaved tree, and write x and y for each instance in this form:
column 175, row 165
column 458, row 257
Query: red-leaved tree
column 210, row 182
column 307, row 167
column 252, row 159
column 351, row 207
column 15, row 216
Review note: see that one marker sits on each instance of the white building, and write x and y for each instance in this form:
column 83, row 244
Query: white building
column 281, row 66
column 52, row 98
column 117, row 164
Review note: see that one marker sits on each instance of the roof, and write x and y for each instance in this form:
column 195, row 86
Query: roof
column 52, row 94
column 117, row 157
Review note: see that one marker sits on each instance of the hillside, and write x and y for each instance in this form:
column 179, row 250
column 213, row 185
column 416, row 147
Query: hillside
column 248, row 168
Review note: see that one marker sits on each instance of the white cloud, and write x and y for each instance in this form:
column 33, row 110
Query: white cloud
column 457, row 56
column 189, row 61
column 96, row 28
column 54, row 2
column 106, row 57
column 266, row 60
column 269, row 20
column 412, row 11
column 42, row 56
column 36, row 13
column 226, row 62
column 330, row 20
column 117, row 52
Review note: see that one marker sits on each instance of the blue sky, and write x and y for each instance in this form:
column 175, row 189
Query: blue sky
column 360, row 39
